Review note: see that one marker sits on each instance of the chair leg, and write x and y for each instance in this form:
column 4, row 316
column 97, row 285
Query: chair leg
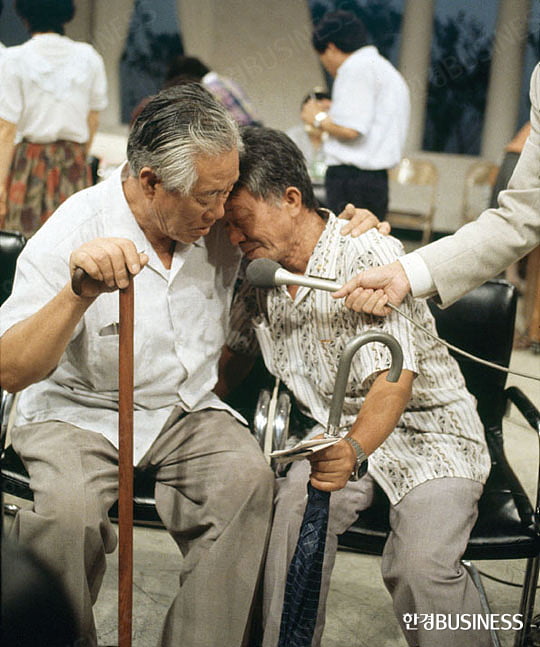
column 526, row 607
column 475, row 576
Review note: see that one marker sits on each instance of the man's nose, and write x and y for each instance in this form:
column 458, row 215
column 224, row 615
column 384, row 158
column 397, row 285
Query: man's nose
column 218, row 210
column 235, row 235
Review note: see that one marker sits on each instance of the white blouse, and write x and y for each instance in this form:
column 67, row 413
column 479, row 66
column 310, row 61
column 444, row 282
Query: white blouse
column 48, row 85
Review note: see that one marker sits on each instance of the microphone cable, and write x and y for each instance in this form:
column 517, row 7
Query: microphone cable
column 264, row 272
column 456, row 349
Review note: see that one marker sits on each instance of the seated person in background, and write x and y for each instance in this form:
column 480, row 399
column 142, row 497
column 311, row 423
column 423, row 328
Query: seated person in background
column 213, row 488
column 228, row 92
column 424, row 439
column 310, row 139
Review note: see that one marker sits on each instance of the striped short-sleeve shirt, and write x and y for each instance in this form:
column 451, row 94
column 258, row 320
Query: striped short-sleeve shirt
column 438, row 435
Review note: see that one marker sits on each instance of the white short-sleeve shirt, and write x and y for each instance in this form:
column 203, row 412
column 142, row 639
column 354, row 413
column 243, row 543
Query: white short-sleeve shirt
column 181, row 316
column 370, row 96
column 48, row 86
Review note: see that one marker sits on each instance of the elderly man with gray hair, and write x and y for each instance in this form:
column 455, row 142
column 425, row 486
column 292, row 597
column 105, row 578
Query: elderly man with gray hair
column 156, row 218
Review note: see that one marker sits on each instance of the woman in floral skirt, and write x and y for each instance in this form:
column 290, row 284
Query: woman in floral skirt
column 51, row 91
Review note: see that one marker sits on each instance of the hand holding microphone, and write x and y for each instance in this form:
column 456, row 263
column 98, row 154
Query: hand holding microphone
column 265, row 273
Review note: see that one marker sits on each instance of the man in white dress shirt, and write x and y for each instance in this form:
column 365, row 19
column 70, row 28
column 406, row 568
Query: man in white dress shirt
column 156, row 219
column 423, row 436
column 368, row 120
column 478, row 251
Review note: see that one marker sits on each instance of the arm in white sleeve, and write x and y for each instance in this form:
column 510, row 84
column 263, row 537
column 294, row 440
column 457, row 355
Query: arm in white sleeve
column 418, row 274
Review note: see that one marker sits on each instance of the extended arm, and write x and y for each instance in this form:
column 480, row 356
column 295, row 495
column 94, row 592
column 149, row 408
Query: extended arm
column 31, row 349
column 384, row 404
column 93, row 123
column 477, row 251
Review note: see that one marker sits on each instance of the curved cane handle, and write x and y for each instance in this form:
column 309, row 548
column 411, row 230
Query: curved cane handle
column 344, row 366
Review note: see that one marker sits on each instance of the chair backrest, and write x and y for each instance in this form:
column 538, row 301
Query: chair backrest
column 480, row 179
column 11, row 245
column 482, row 323
column 419, row 172
column 413, row 195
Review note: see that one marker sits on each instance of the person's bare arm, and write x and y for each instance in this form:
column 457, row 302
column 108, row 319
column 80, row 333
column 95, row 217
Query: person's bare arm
column 93, row 123
column 233, row 369
column 311, row 108
column 384, row 404
column 8, row 130
column 31, row 349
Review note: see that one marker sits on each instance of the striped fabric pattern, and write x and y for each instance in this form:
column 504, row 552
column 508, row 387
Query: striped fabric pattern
column 438, row 435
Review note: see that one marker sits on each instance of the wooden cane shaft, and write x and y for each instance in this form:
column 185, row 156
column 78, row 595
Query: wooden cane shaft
column 125, row 468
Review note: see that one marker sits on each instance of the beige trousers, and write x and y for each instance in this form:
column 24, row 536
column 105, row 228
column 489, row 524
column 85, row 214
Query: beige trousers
column 213, row 493
column 421, row 561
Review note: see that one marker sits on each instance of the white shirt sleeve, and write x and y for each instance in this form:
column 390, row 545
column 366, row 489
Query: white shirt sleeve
column 419, row 276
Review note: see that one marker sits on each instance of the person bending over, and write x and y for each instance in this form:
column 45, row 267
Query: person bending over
column 424, row 439
column 157, row 218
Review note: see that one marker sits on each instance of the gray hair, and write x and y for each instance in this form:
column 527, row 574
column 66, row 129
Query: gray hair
column 175, row 127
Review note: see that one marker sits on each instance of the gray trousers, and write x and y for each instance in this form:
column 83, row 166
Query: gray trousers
column 213, row 493
column 421, row 560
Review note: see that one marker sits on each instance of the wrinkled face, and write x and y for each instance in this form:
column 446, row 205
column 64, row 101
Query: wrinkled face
column 261, row 229
column 185, row 218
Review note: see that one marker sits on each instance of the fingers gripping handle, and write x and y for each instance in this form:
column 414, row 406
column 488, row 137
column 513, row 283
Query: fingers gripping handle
column 344, row 366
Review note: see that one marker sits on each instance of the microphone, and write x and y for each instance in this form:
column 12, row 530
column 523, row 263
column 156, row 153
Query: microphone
column 265, row 273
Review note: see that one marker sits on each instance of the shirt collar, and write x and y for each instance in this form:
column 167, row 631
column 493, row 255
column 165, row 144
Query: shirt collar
column 123, row 223
column 323, row 260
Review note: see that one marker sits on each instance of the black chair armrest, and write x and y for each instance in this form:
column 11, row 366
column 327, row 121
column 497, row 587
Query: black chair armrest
column 525, row 406
column 532, row 415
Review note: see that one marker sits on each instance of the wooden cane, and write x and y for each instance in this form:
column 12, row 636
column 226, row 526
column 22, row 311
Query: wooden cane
column 125, row 459
column 125, row 468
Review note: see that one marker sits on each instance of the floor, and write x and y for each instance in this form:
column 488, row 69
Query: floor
column 359, row 608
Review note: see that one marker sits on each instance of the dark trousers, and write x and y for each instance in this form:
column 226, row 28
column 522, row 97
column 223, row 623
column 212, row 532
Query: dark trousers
column 365, row 189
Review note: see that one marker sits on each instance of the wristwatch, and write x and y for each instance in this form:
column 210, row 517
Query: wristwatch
column 319, row 118
column 361, row 460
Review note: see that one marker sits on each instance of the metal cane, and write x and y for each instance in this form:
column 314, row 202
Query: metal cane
column 125, row 458
column 303, row 584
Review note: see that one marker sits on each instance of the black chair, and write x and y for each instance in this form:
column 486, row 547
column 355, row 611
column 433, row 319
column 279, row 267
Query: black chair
column 508, row 526
column 11, row 244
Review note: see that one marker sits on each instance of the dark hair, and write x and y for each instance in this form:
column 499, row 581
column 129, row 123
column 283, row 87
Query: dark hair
column 270, row 163
column 175, row 127
column 179, row 80
column 1, row 6
column 186, row 66
column 46, row 15
column 318, row 94
column 343, row 28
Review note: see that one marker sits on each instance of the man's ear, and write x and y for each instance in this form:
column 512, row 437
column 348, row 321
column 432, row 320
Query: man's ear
column 148, row 181
column 293, row 199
